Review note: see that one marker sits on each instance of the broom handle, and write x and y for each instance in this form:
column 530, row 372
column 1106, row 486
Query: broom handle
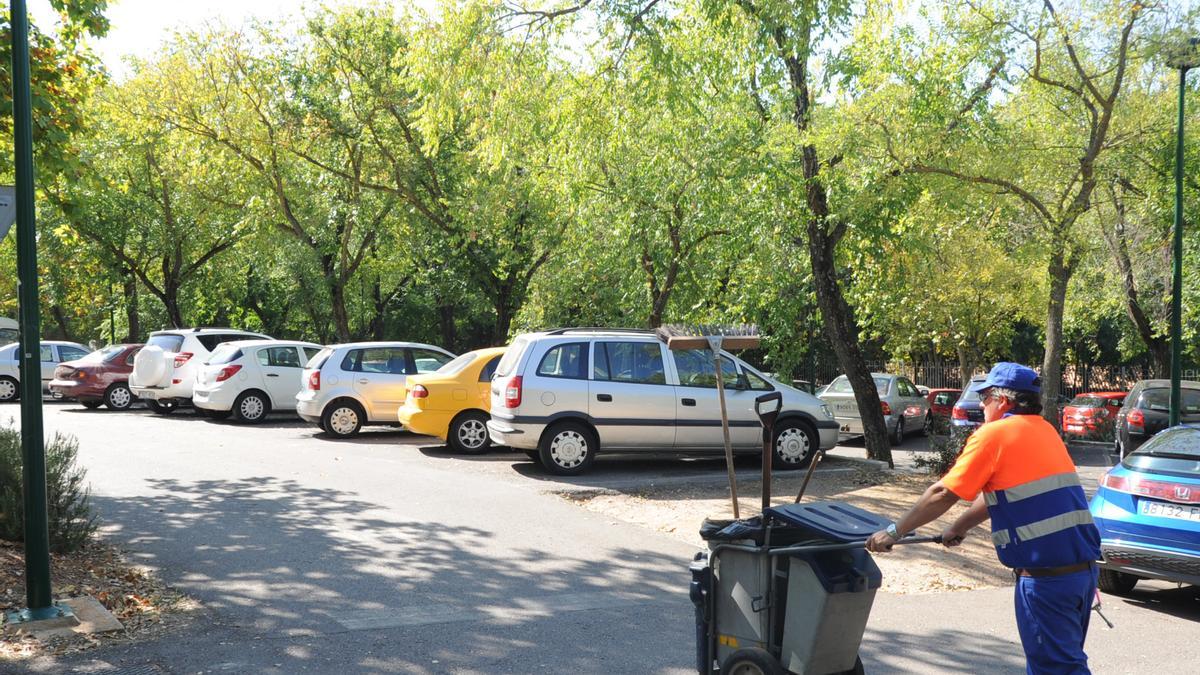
column 714, row 343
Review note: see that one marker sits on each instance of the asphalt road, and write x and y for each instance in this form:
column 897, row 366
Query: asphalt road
column 388, row 554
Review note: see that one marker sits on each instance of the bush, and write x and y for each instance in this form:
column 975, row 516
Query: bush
column 946, row 450
column 69, row 513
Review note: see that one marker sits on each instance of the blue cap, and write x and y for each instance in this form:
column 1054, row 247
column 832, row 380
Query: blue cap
column 1011, row 376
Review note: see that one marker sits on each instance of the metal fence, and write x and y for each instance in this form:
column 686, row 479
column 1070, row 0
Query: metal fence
column 937, row 374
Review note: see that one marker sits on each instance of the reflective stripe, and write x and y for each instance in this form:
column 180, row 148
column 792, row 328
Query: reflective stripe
column 1055, row 524
column 990, row 498
column 1041, row 486
column 1001, row 538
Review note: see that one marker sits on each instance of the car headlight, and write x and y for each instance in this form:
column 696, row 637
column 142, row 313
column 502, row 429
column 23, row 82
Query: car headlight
column 828, row 412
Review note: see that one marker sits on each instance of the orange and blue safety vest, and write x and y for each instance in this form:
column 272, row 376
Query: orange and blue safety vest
column 1038, row 508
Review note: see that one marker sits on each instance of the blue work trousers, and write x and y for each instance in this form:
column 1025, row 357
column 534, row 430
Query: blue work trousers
column 1052, row 617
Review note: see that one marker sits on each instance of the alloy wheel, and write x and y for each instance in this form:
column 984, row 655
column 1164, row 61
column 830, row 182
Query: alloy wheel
column 251, row 408
column 8, row 390
column 472, row 434
column 120, row 398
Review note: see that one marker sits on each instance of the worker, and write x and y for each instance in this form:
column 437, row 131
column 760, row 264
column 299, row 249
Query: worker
column 1016, row 471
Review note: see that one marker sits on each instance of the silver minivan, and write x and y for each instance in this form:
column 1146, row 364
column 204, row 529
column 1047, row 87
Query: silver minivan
column 904, row 408
column 564, row 395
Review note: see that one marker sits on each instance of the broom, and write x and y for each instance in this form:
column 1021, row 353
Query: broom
column 714, row 338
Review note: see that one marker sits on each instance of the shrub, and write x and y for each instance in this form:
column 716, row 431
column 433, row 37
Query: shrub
column 946, row 450
column 69, row 512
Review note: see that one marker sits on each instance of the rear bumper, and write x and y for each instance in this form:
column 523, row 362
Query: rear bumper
column 75, row 389
column 161, row 393
column 217, row 398
column 853, row 426
column 1152, row 562
column 309, row 410
column 426, row 422
column 520, row 436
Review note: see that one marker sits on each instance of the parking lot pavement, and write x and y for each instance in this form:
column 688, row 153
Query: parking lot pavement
column 387, row 554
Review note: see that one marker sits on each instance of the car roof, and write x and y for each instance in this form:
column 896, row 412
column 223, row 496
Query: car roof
column 1156, row 384
column 270, row 343
column 368, row 345
column 943, row 390
column 63, row 343
column 1104, row 394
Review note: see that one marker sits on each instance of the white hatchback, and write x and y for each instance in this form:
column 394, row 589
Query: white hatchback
column 251, row 378
column 347, row 386
column 53, row 352
column 164, row 371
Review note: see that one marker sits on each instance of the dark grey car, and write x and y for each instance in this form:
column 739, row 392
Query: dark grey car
column 1147, row 411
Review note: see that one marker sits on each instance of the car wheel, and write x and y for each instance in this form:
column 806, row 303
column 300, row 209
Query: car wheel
column 91, row 405
column 1116, row 583
column 163, row 407
column 9, row 391
column 898, row 435
column 568, row 449
column 469, row 434
column 251, row 406
column 751, row 662
column 927, row 427
column 118, row 397
column 795, row 445
column 342, row 419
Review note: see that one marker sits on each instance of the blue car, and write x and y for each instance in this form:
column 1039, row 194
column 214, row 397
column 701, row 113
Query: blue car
column 1148, row 511
column 967, row 413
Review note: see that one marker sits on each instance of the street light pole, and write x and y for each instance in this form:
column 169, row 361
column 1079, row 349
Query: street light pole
column 1185, row 59
column 37, row 537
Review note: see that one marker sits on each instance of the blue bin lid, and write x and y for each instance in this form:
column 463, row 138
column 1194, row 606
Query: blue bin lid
column 838, row 521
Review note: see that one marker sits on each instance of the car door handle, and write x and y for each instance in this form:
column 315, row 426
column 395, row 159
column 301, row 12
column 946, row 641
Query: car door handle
column 689, row 402
column 363, row 380
column 607, row 398
column 272, row 374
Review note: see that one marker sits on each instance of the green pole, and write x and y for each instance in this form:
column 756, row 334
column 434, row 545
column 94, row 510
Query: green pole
column 1177, row 272
column 37, row 537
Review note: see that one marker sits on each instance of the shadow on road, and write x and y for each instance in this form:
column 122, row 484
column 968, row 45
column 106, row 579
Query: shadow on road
column 941, row 650
column 1178, row 601
column 277, row 557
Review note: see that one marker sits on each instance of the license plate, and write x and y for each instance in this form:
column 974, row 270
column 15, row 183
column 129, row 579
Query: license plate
column 1164, row 510
column 846, row 407
column 150, row 395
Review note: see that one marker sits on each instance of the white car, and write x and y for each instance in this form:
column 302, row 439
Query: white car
column 347, row 386
column 165, row 370
column 250, row 378
column 53, row 352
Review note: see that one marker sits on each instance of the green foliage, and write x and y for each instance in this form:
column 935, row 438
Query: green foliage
column 945, row 449
column 70, row 520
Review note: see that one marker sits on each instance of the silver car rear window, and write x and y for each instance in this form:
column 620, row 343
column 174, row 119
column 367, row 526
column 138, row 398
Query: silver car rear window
column 842, row 386
column 319, row 360
column 512, row 356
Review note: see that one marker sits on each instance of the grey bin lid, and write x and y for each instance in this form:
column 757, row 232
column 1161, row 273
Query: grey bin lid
column 837, row 521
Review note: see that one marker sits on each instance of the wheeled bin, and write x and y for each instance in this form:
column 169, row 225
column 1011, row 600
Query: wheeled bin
column 788, row 592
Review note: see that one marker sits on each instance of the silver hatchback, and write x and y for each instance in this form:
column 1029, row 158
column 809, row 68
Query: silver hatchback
column 564, row 395
column 904, row 408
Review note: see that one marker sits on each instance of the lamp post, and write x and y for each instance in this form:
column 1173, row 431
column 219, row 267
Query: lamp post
column 1184, row 59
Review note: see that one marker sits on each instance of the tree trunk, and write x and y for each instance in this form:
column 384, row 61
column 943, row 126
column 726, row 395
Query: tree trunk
column 376, row 325
column 60, row 319
column 446, row 325
column 966, row 365
column 843, row 334
column 129, row 289
column 1060, row 278
column 341, row 319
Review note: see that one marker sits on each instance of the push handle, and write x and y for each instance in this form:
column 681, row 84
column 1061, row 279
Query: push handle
column 762, row 412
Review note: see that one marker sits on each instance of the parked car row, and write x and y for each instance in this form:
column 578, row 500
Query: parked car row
column 561, row 396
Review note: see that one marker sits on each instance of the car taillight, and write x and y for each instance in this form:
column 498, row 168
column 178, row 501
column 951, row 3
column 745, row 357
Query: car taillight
column 887, row 409
column 958, row 413
column 418, row 391
column 182, row 358
column 227, row 372
column 512, row 393
column 314, row 380
column 1136, row 418
column 1180, row 493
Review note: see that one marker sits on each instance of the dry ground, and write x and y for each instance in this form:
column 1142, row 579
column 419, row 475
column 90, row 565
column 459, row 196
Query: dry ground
column 920, row 568
column 142, row 603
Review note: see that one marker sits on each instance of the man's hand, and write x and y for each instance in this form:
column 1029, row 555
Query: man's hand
column 952, row 537
column 880, row 542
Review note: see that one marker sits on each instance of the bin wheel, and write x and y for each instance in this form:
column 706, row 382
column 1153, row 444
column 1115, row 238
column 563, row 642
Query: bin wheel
column 751, row 662
column 857, row 669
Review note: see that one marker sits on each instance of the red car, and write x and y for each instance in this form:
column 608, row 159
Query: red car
column 100, row 378
column 1092, row 415
column 941, row 404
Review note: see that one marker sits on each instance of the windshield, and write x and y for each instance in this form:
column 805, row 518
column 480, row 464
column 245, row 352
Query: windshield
column 456, row 366
column 168, row 342
column 508, row 363
column 842, row 385
column 224, row 354
column 102, row 355
column 1160, row 400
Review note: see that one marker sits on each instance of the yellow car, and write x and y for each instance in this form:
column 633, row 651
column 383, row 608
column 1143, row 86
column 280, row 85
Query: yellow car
column 453, row 402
